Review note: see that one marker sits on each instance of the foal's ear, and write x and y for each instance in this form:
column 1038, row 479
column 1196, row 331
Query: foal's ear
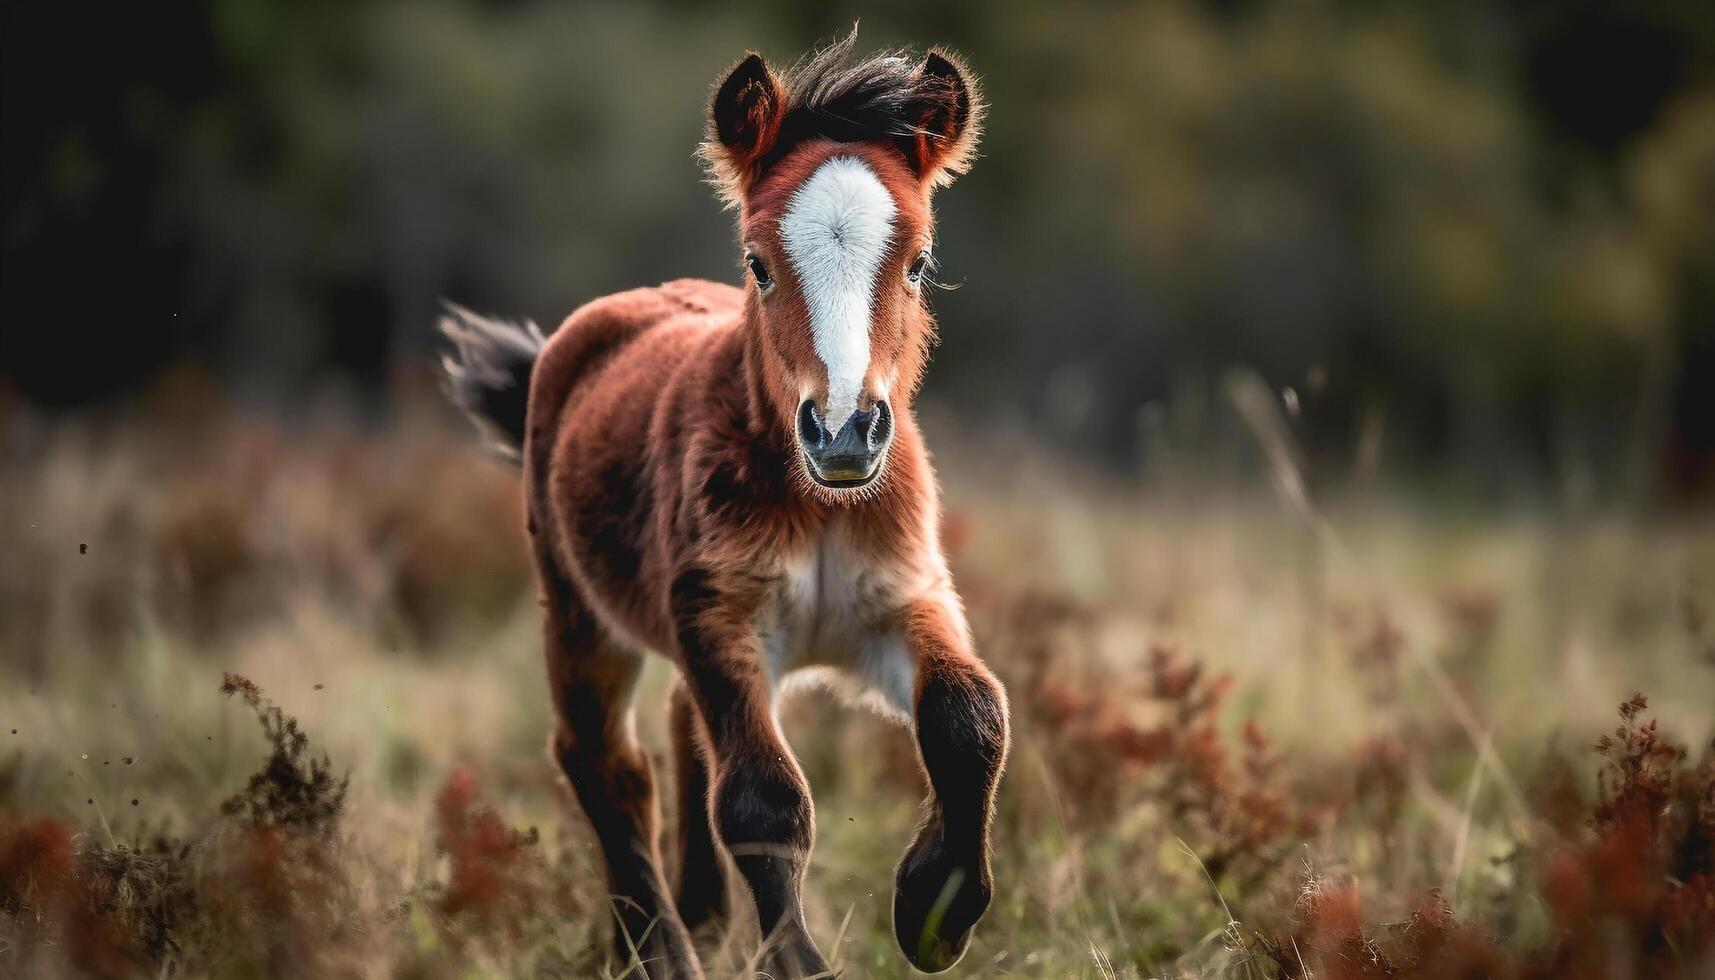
column 945, row 141
column 744, row 120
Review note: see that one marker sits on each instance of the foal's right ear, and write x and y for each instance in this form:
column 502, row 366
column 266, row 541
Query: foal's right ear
column 944, row 141
column 744, row 120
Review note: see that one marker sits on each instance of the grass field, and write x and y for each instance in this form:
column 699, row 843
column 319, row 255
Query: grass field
column 1253, row 736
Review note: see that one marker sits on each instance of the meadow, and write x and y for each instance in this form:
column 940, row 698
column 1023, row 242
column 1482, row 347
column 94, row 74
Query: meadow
column 271, row 703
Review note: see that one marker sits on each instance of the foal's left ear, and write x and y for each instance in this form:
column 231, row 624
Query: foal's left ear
column 744, row 121
column 945, row 141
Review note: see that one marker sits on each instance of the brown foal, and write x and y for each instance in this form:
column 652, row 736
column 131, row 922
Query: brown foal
column 733, row 478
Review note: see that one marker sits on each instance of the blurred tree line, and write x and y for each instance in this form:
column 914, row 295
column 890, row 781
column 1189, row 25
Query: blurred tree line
column 1481, row 227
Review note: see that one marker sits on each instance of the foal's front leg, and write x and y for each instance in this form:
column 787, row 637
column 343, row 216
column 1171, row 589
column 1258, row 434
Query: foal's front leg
column 943, row 884
column 759, row 803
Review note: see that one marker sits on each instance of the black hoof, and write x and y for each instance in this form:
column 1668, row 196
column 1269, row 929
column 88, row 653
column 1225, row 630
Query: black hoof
column 936, row 904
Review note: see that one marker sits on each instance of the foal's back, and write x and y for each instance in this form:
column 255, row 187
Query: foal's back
column 610, row 407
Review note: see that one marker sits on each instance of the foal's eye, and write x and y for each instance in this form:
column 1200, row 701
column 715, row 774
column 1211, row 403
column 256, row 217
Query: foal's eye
column 759, row 272
column 914, row 275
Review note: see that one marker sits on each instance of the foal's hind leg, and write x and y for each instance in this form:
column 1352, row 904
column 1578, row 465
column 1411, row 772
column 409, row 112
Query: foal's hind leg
column 592, row 681
column 700, row 885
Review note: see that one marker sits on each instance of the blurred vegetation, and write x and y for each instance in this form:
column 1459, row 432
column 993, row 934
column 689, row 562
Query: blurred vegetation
column 1228, row 761
column 1478, row 229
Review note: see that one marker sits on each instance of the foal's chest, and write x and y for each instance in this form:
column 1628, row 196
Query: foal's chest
column 825, row 600
column 834, row 607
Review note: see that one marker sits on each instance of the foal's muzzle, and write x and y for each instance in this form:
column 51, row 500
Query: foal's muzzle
column 851, row 457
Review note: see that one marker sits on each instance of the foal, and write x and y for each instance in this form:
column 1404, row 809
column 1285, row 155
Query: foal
column 733, row 478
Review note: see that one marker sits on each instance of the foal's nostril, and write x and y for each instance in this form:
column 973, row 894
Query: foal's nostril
column 862, row 422
column 879, row 426
column 811, row 432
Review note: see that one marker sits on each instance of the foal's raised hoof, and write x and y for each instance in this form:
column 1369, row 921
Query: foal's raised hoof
column 936, row 903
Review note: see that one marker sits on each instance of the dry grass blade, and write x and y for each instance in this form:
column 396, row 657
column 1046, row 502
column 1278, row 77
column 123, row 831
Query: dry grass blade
column 1455, row 874
column 1257, row 405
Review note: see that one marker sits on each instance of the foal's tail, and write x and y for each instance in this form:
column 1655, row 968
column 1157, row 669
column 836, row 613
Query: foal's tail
column 488, row 375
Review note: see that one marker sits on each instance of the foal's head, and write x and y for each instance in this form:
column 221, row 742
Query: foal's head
column 831, row 169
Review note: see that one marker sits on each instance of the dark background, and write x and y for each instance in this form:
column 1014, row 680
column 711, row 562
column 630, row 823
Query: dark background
column 1481, row 228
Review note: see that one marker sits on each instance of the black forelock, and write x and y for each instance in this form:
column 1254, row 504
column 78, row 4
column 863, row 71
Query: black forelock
column 882, row 97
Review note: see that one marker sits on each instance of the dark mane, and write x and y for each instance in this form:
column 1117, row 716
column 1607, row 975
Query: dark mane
column 882, row 97
column 927, row 106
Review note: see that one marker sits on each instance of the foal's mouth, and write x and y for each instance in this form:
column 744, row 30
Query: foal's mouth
column 845, row 478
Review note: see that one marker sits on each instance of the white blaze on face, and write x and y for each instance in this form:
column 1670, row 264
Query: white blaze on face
column 835, row 230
